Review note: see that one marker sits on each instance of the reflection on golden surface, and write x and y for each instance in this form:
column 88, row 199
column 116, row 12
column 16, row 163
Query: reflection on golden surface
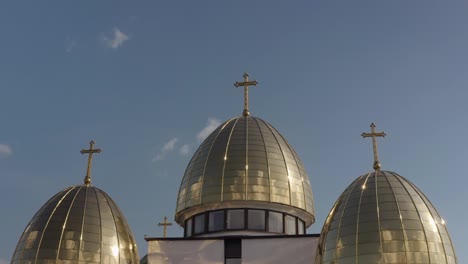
column 245, row 159
column 80, row 223
column 389, row 221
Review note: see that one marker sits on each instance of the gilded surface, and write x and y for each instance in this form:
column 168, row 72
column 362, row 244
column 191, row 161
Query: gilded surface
column 90, row 153
column 80, row 224
column 374, row 135
column 245, row 159
column 246, row 83
column 383, row 218
column 165, row 224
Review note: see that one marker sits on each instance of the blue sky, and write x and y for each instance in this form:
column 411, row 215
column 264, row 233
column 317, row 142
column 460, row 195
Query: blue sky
column 147, row 79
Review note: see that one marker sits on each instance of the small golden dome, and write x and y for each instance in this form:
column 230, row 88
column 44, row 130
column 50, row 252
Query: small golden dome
column 79, row 224
column 384, row 218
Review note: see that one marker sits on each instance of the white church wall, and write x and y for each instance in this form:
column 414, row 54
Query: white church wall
column 186, row 252
column 274, row 250
column 298, row 250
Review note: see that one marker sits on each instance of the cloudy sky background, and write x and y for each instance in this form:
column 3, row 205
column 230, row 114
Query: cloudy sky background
column 147, row 81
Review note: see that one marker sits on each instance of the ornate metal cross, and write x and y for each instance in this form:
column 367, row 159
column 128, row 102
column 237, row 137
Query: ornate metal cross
column 89, row 151
column 165, row 224
column 374, row 135
column 246, row 83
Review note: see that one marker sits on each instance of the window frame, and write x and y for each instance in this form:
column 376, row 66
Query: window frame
column 266, row 225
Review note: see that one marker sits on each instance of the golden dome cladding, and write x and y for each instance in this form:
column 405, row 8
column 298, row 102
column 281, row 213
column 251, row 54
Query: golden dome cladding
column 245, row 163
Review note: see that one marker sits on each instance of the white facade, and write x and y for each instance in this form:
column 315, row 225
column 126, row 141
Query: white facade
column 255, row 250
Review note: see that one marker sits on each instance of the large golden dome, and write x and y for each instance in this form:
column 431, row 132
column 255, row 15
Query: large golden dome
column 384, row 218
column 245, row 163
column 80, row 224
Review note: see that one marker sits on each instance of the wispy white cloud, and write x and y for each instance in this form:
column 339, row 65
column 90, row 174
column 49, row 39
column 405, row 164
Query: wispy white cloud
column 185, row 149
column 116, row 40
column 5, row 151
column 70, row 44
column 168, row 147
column 2, row 261
column 211, row 125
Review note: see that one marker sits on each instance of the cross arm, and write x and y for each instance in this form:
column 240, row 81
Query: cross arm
column 377, row 134
column 237, row 84
column 83, row 151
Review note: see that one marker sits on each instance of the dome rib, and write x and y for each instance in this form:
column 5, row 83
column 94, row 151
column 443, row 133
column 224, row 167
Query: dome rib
column 28, row 226
column 208, row 173
column 83, row 220
column 440, row 231
column 376, row 182
column 206, row 161
column 100, row 221
column 419, row 215
column 267, row 160
column 224, row 158
column 117, row 233
column 285, row 162
column 341, row 217
column 246, row 167
column 358, row 214
column 298, row 165
column 122, row 228
column 182, row 182
column 401, row 220
column 66, row 222
column 50, row 217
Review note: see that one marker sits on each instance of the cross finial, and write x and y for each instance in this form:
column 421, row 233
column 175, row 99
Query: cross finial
column 165, row 224
column 246, row 83
column 90, row 151
column 374, row 135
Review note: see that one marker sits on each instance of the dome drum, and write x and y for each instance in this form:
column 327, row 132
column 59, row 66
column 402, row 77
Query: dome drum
column 244, row 221
column 228, row 205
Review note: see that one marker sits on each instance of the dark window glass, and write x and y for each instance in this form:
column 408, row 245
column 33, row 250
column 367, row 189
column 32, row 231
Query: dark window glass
column 188, row 228
column 275, row 222
column 300, row 227
column 216, row 221
column 256, row 220
column 232, row 248
column 290, row 225
column 235, row 219
column 199, row 224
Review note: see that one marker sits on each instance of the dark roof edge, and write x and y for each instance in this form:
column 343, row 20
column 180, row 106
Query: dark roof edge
column 227, row 237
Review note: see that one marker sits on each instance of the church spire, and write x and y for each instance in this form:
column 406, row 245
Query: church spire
column 90, row 151
column 246, row 83
column 374, row 135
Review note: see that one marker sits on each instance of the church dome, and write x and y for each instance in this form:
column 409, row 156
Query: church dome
column 245, row 163
column 384, row 218
column 79, row 224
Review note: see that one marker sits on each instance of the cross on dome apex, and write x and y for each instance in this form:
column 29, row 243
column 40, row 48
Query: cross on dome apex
column 246, row 83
